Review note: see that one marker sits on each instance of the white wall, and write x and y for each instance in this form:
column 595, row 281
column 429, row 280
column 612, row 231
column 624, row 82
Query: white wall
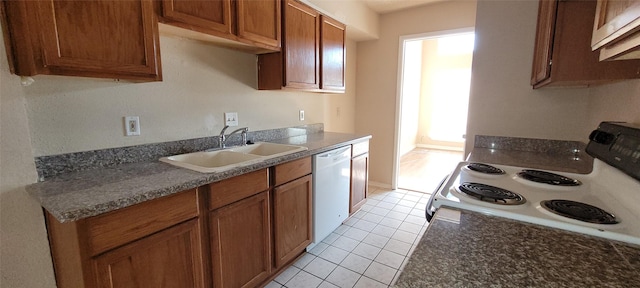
column 361, row 21
column 377, row 77
column 25, row 260
column 201, row 82
column 339, row 109
column 502, row 102
column 613, row 102
column 411, row 86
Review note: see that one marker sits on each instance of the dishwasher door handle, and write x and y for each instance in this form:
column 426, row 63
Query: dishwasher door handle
column 334, row 152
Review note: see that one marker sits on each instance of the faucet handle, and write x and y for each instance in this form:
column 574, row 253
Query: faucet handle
column 224, row 129
column 244, row 135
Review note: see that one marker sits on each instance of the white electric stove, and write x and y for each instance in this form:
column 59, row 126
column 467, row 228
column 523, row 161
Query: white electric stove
column 604, row 203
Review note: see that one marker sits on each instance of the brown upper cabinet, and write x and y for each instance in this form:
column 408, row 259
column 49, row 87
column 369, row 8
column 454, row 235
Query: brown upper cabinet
column 248, row 25
column 563, row 55
column 104, row 39
column 616, row 30
column 332, row 54
column 313, row 53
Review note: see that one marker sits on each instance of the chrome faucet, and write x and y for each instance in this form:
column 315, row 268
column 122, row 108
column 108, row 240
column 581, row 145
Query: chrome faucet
column 222, row 139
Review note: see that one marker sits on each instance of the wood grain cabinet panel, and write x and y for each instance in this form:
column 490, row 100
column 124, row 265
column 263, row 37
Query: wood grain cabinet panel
column 313, row 55
column 563, row 55
column 359, row 179
column 301, row 46
column 210, row 14
column 102, row 38
column 292, row 214
column 292, row 170
column 119, row 227
column 170, row 258
column 158, row 243
column 333, row 55
column 237, row 188
column 616, row 29
column 260, row 22
column 241, row 242
column 249, row 25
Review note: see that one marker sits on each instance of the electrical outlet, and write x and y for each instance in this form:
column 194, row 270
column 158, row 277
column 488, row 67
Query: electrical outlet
column 231, row 118
column 132, row 125
column 301, row 115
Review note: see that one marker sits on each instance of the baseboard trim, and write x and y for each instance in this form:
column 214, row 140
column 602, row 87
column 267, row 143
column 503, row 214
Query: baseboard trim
column 438, row 147
column 380, row 185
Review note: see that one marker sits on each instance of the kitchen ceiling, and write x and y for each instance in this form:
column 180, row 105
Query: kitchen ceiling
column 388, row 6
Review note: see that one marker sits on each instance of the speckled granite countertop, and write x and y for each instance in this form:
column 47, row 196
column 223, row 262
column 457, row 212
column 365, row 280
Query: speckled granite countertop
column 78, row 195
column 555, row 155
column 468, row 249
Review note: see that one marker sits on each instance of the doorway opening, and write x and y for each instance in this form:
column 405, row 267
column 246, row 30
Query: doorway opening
column 432, row 102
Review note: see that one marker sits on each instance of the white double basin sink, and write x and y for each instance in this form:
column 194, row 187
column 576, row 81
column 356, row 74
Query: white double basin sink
column 230, row 158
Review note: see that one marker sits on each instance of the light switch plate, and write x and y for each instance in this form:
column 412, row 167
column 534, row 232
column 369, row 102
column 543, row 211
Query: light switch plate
column 231, row 118
column 301, row 115
column 132, row 126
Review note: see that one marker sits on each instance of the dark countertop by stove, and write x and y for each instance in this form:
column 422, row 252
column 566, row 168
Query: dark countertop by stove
column 77, row 195
column 467, row 249
column 555, row 155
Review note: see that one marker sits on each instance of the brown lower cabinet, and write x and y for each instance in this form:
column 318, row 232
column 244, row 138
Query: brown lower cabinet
column 168, row 258
column 153, row 244
column 292, row 212
column 240, row 242
column 359, row 175
column 359, row 167
column 253, row 226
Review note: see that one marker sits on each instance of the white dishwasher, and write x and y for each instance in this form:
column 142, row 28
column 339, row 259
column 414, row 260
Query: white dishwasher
column 331, row 183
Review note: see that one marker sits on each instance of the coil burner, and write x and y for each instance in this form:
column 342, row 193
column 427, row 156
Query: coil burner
column 579, row 211
column 485, row 169
column 547, row 178
column 491, row 194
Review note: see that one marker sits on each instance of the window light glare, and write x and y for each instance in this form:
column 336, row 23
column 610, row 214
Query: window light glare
column 456, row 44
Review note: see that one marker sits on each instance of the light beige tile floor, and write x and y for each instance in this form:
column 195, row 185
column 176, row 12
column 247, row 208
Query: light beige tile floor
column 368, row 250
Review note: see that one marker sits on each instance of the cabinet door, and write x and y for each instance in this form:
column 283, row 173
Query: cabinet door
column 572, row 62
column 101, row 38
column 169, row 258
column 332, row 54
column 301, row 46
column 616, row 29
column 544, row 40
column 614, row 19
column 259, row 21
column 292, row 219
column 241, row 242
column 359, row 182
column 209, row 15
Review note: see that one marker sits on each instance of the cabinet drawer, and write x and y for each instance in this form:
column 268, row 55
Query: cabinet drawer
column 237, row 188
column 286, row 172
column 360, row 148
column 116, row 228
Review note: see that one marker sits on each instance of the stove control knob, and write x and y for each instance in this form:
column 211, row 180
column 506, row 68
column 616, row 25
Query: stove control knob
column 601, row 137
